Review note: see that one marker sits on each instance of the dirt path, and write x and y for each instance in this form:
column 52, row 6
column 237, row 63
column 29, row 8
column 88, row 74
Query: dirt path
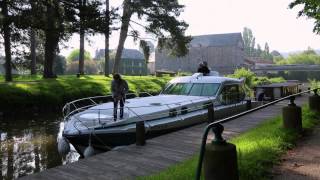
column 302, row 162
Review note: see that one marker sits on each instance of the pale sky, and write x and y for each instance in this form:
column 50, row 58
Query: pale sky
column 270, row 20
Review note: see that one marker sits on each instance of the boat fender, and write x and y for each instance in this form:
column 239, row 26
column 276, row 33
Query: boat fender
column 89, row 151
column 63, row 146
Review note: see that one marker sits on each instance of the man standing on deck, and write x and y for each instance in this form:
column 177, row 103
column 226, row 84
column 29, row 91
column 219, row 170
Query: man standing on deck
column 119, row 87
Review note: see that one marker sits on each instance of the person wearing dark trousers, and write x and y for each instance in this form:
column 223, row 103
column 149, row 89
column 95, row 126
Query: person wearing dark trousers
column 119, row 87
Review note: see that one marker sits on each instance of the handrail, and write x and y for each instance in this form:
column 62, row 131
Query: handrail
column 217, row 123
column 90, row 99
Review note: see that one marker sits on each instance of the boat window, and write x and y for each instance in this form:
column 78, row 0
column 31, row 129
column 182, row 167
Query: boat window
column 210, row 89
column 178, row 89
column 230, row 94
column 196, row 90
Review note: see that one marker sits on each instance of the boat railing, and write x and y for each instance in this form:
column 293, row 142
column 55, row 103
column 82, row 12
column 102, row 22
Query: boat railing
column 84, row 103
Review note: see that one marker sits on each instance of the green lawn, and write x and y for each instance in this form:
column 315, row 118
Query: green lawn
column 258, row 150
column 27, row 91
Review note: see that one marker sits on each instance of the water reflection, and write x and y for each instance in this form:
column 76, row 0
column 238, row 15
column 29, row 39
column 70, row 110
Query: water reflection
column 28, row 146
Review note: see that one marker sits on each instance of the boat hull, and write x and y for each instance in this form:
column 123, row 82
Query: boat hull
column 104, row 140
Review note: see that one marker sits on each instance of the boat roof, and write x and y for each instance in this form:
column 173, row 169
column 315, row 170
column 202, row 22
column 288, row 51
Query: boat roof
column 200, row 78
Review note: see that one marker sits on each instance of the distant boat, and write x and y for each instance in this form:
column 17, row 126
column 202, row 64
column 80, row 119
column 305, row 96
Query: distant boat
column 182, row 103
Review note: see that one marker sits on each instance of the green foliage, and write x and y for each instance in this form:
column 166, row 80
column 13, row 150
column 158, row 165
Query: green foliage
column 244, row 73
column 60, row 64
column 314, row 84
column 53, row 93
column 90, row 67
column 310, row 9
column 74, row 56
column 251, row 80
column 258, row 150
column 249, row 41
column 306, row 57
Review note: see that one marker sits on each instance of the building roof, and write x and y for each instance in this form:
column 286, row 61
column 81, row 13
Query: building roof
column 228, row 39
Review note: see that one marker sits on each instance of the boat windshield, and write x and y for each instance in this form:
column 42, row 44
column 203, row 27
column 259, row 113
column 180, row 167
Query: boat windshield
column 192, row 89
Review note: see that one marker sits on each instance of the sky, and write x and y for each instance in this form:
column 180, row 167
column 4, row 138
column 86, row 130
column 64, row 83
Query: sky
column 270, row 21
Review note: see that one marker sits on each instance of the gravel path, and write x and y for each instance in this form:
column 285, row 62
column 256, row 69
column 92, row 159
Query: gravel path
column 302, row 162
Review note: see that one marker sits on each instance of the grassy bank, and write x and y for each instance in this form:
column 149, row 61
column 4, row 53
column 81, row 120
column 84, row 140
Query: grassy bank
column 29, row 92
column 258, row 150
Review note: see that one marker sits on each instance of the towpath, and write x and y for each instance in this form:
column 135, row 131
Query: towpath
column 158, row 154
column 296, row 165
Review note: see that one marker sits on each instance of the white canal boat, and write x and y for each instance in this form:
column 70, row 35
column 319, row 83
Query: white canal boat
column 182, row 103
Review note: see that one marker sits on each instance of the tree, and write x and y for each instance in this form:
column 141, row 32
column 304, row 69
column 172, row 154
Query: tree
column 310, row 9
column 7, row 38
column 60, row 64
column 107, row 34
column 75, row 56
column 161, row 18
column 145, row 49
column 33, row 52
column 249, row 42
column 58, row 20
column 82, row 15
column 258, row 51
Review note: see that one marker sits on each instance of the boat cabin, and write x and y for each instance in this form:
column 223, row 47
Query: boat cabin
column 277, row 90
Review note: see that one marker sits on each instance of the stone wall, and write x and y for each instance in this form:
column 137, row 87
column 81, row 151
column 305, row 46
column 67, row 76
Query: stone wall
column 223, row 59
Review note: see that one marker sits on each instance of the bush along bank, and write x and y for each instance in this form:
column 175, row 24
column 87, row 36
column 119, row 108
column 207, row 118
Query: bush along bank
column 258, row 150
column 51, row 94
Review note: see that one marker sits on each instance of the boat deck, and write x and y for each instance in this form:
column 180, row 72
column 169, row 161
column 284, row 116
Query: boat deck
column 158, row 154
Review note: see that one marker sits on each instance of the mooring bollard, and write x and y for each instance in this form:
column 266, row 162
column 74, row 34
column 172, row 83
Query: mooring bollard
column 210, row 113
column 248, row 104
column 314, row 101
column 292, row 116
column 220, row 158
column 140, row 133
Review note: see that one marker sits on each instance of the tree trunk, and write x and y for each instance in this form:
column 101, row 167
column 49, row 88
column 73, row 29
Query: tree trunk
column 51, row 43
column 7, row 39
column 81, row 51
column 106, row 49
column 33, row 52
column 127, row 13
column 50, row 52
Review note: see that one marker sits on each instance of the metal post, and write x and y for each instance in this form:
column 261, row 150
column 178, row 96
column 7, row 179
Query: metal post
column 314, row 101
column 292, row 116
column 210, row 113
column 248, row 104
column 140, row 133
column 220, row 157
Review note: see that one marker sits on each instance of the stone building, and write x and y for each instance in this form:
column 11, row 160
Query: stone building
column 132, row 61
column 223, row 52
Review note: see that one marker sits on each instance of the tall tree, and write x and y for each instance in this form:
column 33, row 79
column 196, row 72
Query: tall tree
column 310, row 9
column 258, row 51
column 249, row 41
column 161, row 18
column 7, row 38
column 107, row 35
column 82, row 7
column 58, row 20
column 33, row 52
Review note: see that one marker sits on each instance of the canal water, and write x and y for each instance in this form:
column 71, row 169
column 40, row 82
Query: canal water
column 29, row 145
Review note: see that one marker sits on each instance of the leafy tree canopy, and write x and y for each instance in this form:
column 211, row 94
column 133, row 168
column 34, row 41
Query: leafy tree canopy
column 311, row 9
column 306, row 57
column 74, row 56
